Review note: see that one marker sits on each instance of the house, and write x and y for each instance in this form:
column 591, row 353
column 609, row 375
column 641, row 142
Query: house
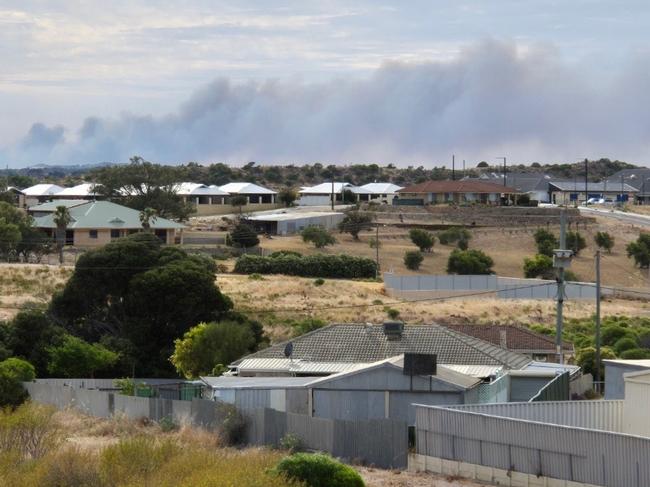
column 84, row 191
column 285, row 223
column 50, row 207
column 379, row 192
column 258, row 197
column 518, row 339
column 39, row 193
column 534, row 185
column 208, row 200
column 321, row 194
column 459, row 192
column 638, row 178
column 573, row 192
column 367, row 343
column 96, row 223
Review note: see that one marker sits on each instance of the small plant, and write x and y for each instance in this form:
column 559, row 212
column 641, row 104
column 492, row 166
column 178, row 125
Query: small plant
column 377, row 302
column 539, row 266
column 546, row 242
column 453, row 234
column 640, row 250
column 126, row 386
column 576, row 242
column 463, row 244
column 413, row 259
column 167, row 424
column 222, row 268
column 318, row 470
column 422, row 239
column 392, row 313
column 604, row 241
column 29, row 431
column 291, row 442
column 319, row 282
column 256, row 277
column 374, row 243
column 318, row 236
column 305, row 326
column 233, row 425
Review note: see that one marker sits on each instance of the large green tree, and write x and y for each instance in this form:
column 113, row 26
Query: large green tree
column 143, row 294
column 76, row 358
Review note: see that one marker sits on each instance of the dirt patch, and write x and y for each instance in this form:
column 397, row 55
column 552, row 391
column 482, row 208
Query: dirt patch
column 374, row 477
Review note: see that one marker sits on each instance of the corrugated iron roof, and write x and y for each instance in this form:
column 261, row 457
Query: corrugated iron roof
column 256, row 382
column 462, row 186
column 294, row 366
column 481, row 371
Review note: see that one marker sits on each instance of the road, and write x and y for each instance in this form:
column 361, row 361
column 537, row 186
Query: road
column 625, row 217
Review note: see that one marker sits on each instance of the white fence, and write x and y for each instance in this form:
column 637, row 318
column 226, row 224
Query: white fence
column 415, row 286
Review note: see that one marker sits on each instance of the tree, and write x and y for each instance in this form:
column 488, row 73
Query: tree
column 354, row 222
column 469, row 262
column 244, row 236
column 9, row 238
column 20, row 369
column 640, row 250
column 238, row 201
column 482, row 164
column 422, row 239
column 77, row 358
column 546, row 242
column 147, row 217
column 142, row 184
column 576, row 242
column 318, row 236
column 62, row 219
column 32, row 240
column 209, row 344
column 586, row 359
column 413, row 259
column 12, row 392
column 539, row 266
column 142, row 293
column 287, row 196
column 604, row 241
column 349, row 196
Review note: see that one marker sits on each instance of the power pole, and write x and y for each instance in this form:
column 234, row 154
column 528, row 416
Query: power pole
column 586, row 180
column 333, row 194
column 377, row 250
column 504, row 170
column 598, row 320
column 464, row 169
column 453, row 167
column 561, row 260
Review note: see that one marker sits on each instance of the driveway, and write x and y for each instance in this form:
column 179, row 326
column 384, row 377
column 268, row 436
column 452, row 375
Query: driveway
column 631, row 218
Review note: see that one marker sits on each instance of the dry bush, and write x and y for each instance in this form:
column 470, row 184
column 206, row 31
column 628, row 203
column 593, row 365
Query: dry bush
column 30, row 431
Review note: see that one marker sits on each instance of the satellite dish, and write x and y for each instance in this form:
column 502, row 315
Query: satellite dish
column 288, row 349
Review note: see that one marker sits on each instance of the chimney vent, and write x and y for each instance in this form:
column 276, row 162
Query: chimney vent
column 393, row 329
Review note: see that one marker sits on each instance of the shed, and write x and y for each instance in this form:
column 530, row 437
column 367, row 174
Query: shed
column 286, row 223
column 615, row 369
column 636, row 420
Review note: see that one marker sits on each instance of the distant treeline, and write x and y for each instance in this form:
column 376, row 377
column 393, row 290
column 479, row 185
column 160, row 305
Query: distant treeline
column 293, row 175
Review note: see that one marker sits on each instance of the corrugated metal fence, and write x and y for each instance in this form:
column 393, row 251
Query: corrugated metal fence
column 383, row 442
column 542, row 449
column 503, row 287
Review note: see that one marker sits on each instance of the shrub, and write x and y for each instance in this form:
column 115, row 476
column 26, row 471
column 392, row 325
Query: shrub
column 569, row 275
column 20, row 369
column 393, row 313
column 636, row 354
column 576, row 242
column 546, row 242
column 319, row 282
column 244, row 235
column 305, row 326
column 134, row 458
column 12, row 393
column 413, row 259
column 232, row 429
column 640, row 250
column 29, row 431
column 318, row 236
column 624, row 344
column 463, row 244
column 318, row 470
column 256, row 277
column 354, row 222
column 284, row 253
column 453, row 234
column 126, row 386
column 167, row 424
column 604, row 241
column 326, row 266
column 422, row 239
column 586, row 358
column 469, row 262
column 78, row 358
column 374, row 243
column 539, row 266
column 291, row 442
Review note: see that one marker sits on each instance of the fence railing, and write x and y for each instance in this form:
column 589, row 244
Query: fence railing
column 540, row 449
column 381, row 442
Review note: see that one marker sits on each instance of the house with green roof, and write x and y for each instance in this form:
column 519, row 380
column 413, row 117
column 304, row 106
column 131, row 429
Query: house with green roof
column 96, row 223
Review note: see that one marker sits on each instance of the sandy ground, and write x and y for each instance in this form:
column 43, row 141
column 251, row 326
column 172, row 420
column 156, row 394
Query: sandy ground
column 374, row 477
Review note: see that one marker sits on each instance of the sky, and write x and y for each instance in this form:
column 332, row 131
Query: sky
column 333, row 81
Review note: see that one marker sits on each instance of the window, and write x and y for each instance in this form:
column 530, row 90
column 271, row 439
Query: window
column 115, row 233
column 92, row 233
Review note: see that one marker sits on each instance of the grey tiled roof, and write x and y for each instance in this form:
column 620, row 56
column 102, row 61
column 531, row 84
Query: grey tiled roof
column 368, row 343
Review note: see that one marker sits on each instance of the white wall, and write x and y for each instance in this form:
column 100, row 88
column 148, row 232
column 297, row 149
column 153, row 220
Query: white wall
column 315, row 200
column 636, row 419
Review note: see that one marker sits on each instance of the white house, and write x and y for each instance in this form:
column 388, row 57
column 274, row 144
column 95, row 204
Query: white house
column 379, row 192
column 321, row 194
column 39, row 193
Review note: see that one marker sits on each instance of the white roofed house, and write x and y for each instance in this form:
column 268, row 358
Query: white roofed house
column 379, row 192
column 83, row 191
column 39, row 193
column 207, row 200
column 321, row 194
column 258, row 197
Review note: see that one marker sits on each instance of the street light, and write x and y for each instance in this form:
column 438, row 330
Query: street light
column 504, row 169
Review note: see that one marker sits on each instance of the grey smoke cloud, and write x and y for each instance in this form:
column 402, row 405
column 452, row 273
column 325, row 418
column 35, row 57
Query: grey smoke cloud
column 495, row 99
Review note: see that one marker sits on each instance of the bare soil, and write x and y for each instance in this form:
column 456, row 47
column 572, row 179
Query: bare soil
column 374, row 477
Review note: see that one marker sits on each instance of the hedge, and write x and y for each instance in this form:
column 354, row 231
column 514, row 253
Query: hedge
column 332, row 266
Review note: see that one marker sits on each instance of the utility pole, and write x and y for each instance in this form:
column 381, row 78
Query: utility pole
column 598, row 320
column 453, row 167
column 333, row 194
column 561, row 260
column 504, row 169
column 586, row 180
column 377, row 250
column 464, row 171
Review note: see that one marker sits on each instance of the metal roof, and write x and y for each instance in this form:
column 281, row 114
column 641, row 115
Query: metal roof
column 553, row 367
column 84, row 189
column 462, row 186
column 256, row 382
column 52, row 205
column 294, row 366
column 42, row 190
column 198, row 189
column 245, row 188
column 104, row 214
column 326, row 188
column 636, row 363
column 276, row 217
column 580, row 186
column 481, row 371
column 377, row 188
column 368, row 343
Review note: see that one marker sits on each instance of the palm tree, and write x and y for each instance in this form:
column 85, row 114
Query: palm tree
column 62, row 219
column 147, row 217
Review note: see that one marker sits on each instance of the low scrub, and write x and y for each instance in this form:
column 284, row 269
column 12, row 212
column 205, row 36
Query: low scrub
column 28, row 432
column 328, row 266
column 319, row 470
